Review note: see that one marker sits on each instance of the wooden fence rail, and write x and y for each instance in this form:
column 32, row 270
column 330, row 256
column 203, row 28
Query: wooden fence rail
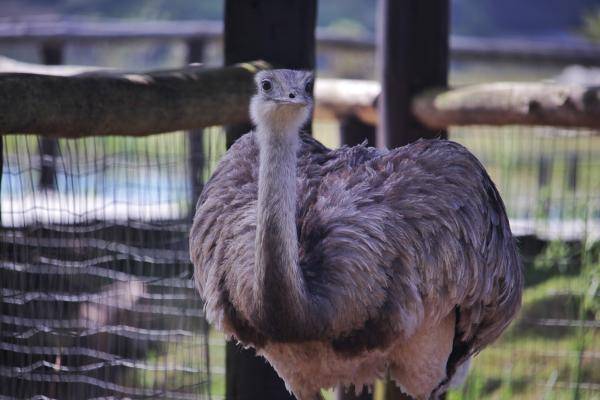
column 464, row 48
column 497, row 104
column 134, row 104
column 511, row 103
column 75, row 101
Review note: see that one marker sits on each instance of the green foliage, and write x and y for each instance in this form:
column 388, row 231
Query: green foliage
column 556, row 256
column 139, row 9
column 591, row 273
column 472, row 17
column 591, row 24
column 473, row 389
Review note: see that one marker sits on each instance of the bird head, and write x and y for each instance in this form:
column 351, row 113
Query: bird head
column 283, row 99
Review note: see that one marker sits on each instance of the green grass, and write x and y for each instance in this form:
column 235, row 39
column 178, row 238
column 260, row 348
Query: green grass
column 550, row 360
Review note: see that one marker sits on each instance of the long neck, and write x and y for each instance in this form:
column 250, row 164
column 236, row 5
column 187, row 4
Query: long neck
column 279, row 285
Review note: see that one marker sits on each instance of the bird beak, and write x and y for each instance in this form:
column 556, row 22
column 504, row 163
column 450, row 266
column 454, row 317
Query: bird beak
column 296, row 101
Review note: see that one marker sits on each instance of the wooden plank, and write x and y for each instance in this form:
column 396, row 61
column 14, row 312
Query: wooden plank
column 126, row 103
column 283, row 34
column 412, row 56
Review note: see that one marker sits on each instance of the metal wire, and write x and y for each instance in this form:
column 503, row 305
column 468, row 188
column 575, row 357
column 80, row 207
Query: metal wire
column 96, row 296
column 549, row 179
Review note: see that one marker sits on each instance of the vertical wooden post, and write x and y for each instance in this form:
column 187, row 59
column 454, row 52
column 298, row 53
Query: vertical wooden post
column 195, row 54
column 412, row 48
column 51, row 54
column 283, row 34
column 1, row 172
column 279, row 32
column 353, row 131
column 572, row 170
column 546, row 164
column 545, row 170
column 412, row 55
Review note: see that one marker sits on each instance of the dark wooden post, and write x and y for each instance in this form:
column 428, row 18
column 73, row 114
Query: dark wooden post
column 412, row 46
column 353, row 131
column 283, row 34
column 572, row 170
column 195, row 54
column 279, row 32
column 51, row 54
column 412, row 55
column 546, row 164
column 1, row 172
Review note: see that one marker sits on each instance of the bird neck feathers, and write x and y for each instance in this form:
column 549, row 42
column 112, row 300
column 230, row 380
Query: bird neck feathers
column 279, row 286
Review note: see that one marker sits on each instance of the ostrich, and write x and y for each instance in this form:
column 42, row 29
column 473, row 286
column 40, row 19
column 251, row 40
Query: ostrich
column 347, row 265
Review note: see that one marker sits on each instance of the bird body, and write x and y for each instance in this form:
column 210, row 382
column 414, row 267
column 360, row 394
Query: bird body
column 341, row 266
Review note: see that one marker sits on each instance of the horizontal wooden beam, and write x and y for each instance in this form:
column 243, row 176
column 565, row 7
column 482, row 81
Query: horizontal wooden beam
column 345, row 97
column 9, row 65
column 80, row 101
column 67, row 29
column 464, row 48
column 106, row 103
column 510, row 103
column 503, row 103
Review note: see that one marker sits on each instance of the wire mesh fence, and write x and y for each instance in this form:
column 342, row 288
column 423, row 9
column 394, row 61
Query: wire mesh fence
column 549, row 179
column 97, row 301
column 96, row 295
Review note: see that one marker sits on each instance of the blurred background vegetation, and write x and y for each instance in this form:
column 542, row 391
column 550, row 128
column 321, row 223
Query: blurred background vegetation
column 550, row 18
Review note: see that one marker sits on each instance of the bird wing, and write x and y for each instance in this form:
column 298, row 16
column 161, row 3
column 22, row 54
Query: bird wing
column 393, row 239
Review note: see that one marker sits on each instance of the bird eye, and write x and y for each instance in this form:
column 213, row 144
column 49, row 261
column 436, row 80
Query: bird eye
column 309, row 86
column 266, row 85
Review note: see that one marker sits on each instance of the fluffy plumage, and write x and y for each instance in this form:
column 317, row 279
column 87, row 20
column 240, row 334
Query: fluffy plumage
column 405, row 263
